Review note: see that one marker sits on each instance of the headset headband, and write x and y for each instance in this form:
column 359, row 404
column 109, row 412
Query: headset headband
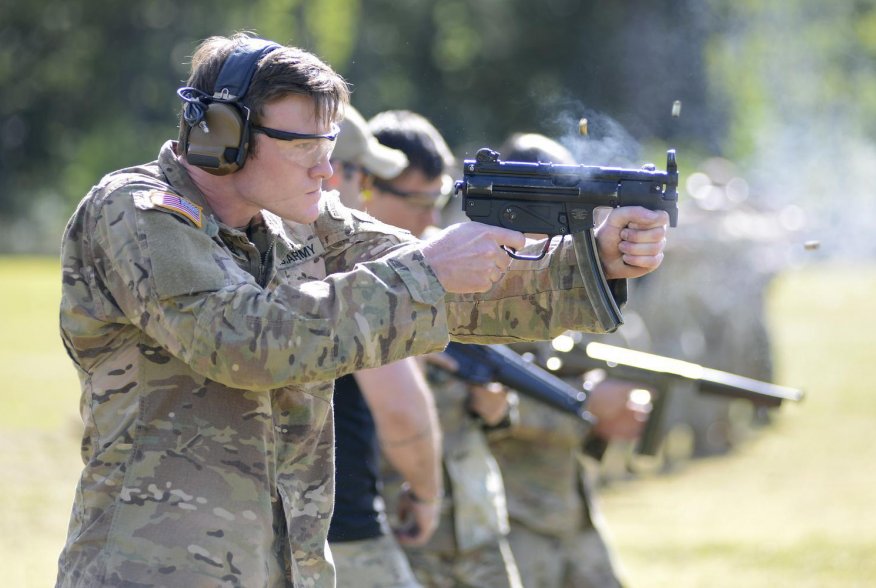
column 216, row 135
column 239, row 68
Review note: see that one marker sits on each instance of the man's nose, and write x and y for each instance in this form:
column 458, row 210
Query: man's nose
column 323, row 169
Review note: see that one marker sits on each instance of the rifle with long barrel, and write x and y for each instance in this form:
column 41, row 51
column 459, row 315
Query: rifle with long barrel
column 482, row 364
column 659, row 372
column 560, row 199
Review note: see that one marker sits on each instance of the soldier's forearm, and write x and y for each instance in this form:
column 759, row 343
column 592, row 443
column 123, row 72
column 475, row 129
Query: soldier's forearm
column 404, row 413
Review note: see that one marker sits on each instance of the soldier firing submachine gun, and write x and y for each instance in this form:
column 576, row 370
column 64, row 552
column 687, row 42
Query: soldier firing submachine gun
column 559, row 199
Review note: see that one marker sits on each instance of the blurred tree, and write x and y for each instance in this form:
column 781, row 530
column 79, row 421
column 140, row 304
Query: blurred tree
column 799, row 79
column 784, row 64
column 88, row 86
column 481, row 70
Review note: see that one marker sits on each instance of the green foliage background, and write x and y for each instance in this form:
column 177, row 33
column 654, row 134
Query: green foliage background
column 88, row 85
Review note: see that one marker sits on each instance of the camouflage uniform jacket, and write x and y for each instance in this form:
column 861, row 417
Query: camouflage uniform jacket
column 206, row 364
column 473, row 513
column 541, row 455
column 538, row 457
column 474, row 483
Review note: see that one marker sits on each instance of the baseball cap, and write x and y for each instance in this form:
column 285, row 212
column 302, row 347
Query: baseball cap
column 356, row 144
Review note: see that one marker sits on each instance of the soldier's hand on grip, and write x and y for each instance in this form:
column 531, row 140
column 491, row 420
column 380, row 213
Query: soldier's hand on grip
column 468, row 257
column 489, row 402
column 418, row 518
column 618, row 414
column 631, row 241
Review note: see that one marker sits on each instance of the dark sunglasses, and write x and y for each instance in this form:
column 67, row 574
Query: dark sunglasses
column 428, row 200
column 384, row 186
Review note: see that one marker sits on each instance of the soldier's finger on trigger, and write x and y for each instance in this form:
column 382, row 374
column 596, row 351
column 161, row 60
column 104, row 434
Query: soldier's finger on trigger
column 508, row 237
column 496, row 256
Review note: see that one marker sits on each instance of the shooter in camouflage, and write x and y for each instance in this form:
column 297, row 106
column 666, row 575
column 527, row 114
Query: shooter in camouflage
column 469, row 547
column 723, row 324
column 207, row 316
column 386, row 410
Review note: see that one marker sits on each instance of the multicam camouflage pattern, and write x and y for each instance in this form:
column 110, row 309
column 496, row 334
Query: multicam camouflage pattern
column 206, row 358
column 373, row 563
column 556, row 527
column 469, row 547
column 580, row 561
column 532, row 299
column 490, row 566
column 538, row 458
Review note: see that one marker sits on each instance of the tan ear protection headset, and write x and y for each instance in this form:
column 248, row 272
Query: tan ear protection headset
column 217, row 127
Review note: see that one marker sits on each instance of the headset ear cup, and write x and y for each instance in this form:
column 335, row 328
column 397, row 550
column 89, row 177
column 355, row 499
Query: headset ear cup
column 219, row 143
column 243, row 149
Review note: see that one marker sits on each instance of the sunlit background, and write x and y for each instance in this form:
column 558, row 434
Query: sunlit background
column 770, row 106
column 786, row 93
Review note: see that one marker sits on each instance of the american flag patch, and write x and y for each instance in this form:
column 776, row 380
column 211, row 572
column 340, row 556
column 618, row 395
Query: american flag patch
column 170, row 201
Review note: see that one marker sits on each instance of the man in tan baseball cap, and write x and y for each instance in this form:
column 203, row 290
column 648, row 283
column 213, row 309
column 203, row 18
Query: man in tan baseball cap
column 388, row 410
column 357, row 155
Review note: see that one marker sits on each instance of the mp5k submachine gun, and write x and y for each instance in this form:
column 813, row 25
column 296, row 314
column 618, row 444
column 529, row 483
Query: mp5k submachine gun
column 559, row 199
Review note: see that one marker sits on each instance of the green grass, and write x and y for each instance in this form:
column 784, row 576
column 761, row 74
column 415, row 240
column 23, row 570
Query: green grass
column 792, row 507
column 39, row 423
column 40, row 389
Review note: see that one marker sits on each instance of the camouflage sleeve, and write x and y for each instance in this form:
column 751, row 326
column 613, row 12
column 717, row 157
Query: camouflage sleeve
column 535, row 300
column 354, row 238
column 185, row 292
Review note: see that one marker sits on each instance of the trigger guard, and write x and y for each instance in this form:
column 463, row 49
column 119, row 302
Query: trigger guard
column 512, row 253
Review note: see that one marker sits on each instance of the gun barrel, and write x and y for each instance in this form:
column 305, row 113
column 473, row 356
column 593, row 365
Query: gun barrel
column 710, row 380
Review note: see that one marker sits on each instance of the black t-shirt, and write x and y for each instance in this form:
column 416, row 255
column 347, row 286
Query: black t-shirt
column 359, row 511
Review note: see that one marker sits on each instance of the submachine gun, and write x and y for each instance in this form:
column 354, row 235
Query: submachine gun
column 482, row 364
column 659, row 372
column 559, row 199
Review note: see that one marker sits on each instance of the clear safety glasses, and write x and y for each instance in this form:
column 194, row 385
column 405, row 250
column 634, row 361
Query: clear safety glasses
column 304, row 148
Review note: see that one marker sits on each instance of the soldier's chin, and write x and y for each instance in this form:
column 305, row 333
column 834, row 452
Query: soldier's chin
column 307, row 210
column 309, row 217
